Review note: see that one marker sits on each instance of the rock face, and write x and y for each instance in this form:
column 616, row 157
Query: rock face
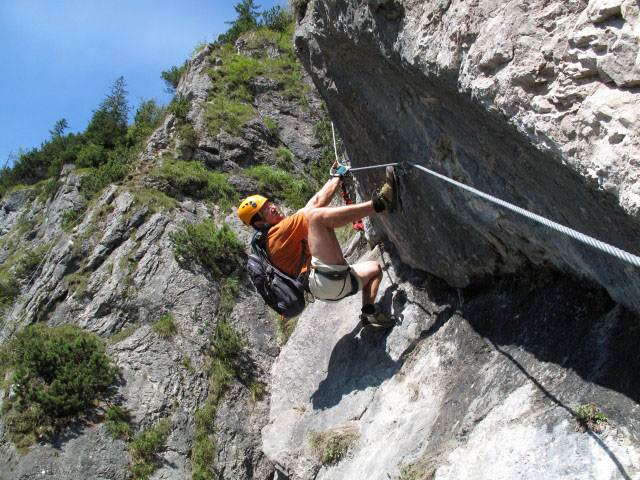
column 480, row 383
column 532, row 102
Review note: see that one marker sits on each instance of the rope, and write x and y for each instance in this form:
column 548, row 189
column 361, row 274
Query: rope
column 605, row 247
column 374, row 166
column 335, row 148
column 593, row 242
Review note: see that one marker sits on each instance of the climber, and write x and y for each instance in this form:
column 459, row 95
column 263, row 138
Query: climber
column 331, row 278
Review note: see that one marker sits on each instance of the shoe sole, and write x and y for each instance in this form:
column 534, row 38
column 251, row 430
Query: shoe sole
column 379, row 326
column 393, row 178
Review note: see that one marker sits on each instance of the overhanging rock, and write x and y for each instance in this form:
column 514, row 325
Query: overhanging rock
column 511, row 98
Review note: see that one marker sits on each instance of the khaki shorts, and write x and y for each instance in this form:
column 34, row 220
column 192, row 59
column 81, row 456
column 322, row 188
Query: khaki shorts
column 330, row 289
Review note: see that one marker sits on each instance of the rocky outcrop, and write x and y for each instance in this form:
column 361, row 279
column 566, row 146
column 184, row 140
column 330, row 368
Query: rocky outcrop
column 108, row 266
column 534, row 103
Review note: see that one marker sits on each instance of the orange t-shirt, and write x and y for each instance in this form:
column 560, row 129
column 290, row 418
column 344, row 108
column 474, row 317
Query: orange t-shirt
column 284, row 243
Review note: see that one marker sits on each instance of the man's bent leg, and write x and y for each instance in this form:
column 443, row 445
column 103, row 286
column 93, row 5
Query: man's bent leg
column 336, row 217
column 371, row 275
column 323, row 243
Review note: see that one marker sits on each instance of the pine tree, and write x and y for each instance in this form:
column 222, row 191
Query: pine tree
column 108, row 126
column 59, row 128
column 277, row 18
column 247, row 20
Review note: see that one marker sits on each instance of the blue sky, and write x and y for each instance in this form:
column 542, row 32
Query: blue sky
column 60, row 57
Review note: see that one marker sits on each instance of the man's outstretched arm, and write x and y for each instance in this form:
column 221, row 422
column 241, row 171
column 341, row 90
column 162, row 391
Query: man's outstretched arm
column 324, row 195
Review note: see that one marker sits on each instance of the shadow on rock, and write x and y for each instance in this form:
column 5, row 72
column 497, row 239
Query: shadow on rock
column 571, row 323
column 358, row 361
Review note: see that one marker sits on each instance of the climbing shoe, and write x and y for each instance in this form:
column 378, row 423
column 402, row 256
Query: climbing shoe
column 377, row 320
column 387, row 199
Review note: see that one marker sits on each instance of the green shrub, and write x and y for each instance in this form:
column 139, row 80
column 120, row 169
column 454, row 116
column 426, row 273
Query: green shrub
column 180, row 107
column 59, row 372
column 148, row 117
column 246, row 21
column 145, row 448
column 284, row 158
column 71, row 218
column 218, row 250
column 51, row 188
column 114, row 170
column 91, row 156
column 193, row 179
column 29, row 262
column 165, row 328
column 187, row 135
column 590, row 417
column 118, row 423
column 9, row 291
column 418, row 469
column 294, row 191
column 228, row 114
column 172, row 76
column 277, row 19
column 24, row 224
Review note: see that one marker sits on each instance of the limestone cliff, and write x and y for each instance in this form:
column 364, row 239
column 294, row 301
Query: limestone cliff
column 515, row 355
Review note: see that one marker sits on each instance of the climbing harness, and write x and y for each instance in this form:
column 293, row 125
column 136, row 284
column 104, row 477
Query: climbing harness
column 593, row 242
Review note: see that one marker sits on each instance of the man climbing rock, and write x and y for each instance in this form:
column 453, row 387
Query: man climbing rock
column 331, row 278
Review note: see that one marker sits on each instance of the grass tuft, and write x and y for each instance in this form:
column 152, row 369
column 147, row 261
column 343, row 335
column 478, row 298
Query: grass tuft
column 332, row 445
column 193, row 179
column 146, row 446
column 165, row 327
column 294, row 191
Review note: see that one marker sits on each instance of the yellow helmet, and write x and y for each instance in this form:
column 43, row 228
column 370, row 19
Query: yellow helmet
column 249, row 207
